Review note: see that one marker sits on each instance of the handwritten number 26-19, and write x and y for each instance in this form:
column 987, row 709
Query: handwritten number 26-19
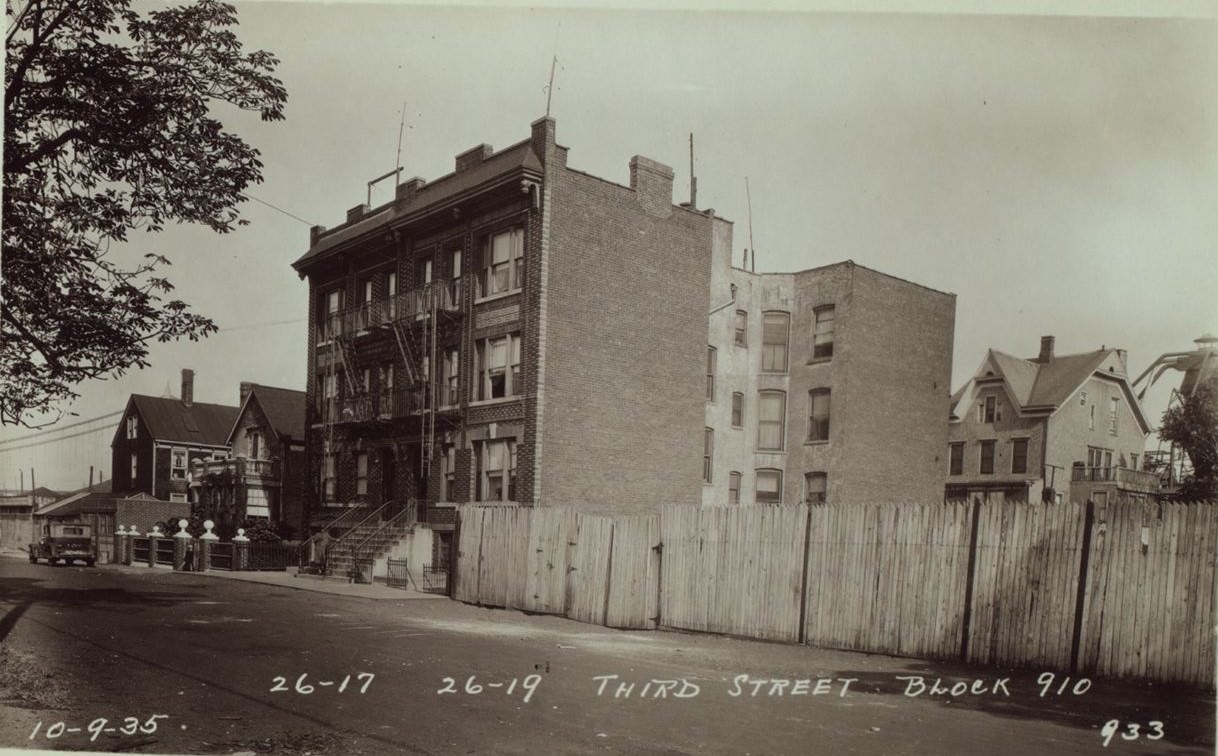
column 1132, row 731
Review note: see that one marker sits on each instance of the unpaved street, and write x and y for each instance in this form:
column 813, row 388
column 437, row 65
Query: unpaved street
column 227, row 666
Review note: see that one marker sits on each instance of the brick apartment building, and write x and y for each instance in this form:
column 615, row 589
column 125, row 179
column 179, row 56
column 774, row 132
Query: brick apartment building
column 515, row 330
column 828, row 384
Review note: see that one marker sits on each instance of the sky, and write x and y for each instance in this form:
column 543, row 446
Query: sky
column 1058, row 174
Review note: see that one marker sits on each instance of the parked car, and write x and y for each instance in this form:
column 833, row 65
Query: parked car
column 64, row 542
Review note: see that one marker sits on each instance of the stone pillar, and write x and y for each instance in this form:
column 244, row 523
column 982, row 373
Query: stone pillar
column 241, row 550
column 120, row 545
column 154, row 536
column 183, row 554
column 205, row 542
column 128, row 555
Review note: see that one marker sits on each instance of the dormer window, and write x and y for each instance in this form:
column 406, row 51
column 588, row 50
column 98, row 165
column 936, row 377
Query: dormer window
column 132, row 426
column 989, row 410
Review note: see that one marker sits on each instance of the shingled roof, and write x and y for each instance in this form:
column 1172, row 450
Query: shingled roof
column 284, row 410
column 169, row 419
column 1043, row 386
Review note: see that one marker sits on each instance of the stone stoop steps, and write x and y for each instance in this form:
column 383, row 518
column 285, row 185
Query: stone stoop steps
column 377, row 540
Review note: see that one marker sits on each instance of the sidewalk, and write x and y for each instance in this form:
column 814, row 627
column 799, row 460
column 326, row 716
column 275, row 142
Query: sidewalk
column 290, row 579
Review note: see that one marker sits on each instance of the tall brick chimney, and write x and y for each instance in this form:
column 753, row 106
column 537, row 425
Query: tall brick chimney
column 653, row 183
column 188, row 386
column 246, row 388
column 1046, row 350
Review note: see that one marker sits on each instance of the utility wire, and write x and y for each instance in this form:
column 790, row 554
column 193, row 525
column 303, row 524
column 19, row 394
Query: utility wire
column 247, row 195
column 61, row 428
column 56, row 440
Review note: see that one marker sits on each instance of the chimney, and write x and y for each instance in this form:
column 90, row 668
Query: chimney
column 652, row 181
column 474, row 157
column 357, row 212
column 407, row 190
column 188, row 386
column 246, row 388
column 1046, row 350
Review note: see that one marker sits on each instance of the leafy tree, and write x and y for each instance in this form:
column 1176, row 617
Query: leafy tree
column 110, row 127
column 1193, row 426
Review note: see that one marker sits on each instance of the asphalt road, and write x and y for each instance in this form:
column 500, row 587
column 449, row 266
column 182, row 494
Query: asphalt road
column 220, row 663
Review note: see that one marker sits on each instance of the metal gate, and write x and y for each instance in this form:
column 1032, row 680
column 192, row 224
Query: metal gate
column 398, row 575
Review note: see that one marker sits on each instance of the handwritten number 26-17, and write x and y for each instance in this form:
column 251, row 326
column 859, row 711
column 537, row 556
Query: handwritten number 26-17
column 1132, row 731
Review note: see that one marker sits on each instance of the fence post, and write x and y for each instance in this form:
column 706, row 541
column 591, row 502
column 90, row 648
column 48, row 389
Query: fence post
column 968, row 581
column 181, row 542
column 205, row 542
column 241, row 546
column 153, row 537
column 803, row 577
column 1081, row 596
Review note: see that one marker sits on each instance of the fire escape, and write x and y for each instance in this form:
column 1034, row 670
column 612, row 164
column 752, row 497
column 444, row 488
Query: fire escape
column 419, row 322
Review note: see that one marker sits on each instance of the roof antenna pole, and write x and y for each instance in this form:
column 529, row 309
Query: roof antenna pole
column 748, row 194
column 693, row 180
column 401, row 128
column 550, row 86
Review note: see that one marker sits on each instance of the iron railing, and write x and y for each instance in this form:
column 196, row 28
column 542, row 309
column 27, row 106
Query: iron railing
column 408, row 514
column 435, row 578
column 443, row 296
column 272, row 556
column 164, row 551
column 220, row 556
column 1122, row 476
column 397, row 574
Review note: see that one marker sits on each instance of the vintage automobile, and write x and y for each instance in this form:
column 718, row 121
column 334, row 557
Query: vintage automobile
column 64, row 542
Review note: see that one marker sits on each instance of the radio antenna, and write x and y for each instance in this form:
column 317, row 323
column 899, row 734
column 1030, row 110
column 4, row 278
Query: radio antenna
column 550, row 86
column 401, row 128
column 693, row 180
column 749, row 195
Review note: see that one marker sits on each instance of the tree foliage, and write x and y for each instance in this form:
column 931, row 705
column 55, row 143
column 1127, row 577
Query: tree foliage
column 1193, row 426
column 110, row 127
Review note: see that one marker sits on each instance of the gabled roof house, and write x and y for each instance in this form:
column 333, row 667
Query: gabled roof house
column 158, row 437
column 1053, row 427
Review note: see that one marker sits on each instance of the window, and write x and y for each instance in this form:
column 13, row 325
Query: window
column 1133, row 462
column 497, row 471
column 425, row 271
column 733, row 487
column 822, row 333
column 454, row 264
column 955, row 465
column 448, row 473
column 1114, row 411
column 368, row 291
column 499, row 367
column 742, row 328
column 177, row 469
column 771, row 412
column 330, row 324
column 503, row 262
column 987, row 457
column 177, row 498
column 385, row 378
column 769, row 486
column 816, row 484
column 737, row 409
column 1019, row 455
column 361, row 474
column 452, row 377
column 391, row 291
column 134, row 466
column 132, row 426
column 1091, row 418
column 774, row 329
column 255, row 441
column 818, row 415
column 708, row 453
column 365, row 379
column 989, row 410
column 711, row 359
column 328, row 477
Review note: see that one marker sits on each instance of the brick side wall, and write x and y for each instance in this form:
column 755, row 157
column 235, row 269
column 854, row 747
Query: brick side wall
column 625, row 348
column 896, row 351
column 144, row 514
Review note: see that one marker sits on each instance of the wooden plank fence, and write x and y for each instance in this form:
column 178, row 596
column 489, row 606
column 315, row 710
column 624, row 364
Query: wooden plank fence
column 1124, row 589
